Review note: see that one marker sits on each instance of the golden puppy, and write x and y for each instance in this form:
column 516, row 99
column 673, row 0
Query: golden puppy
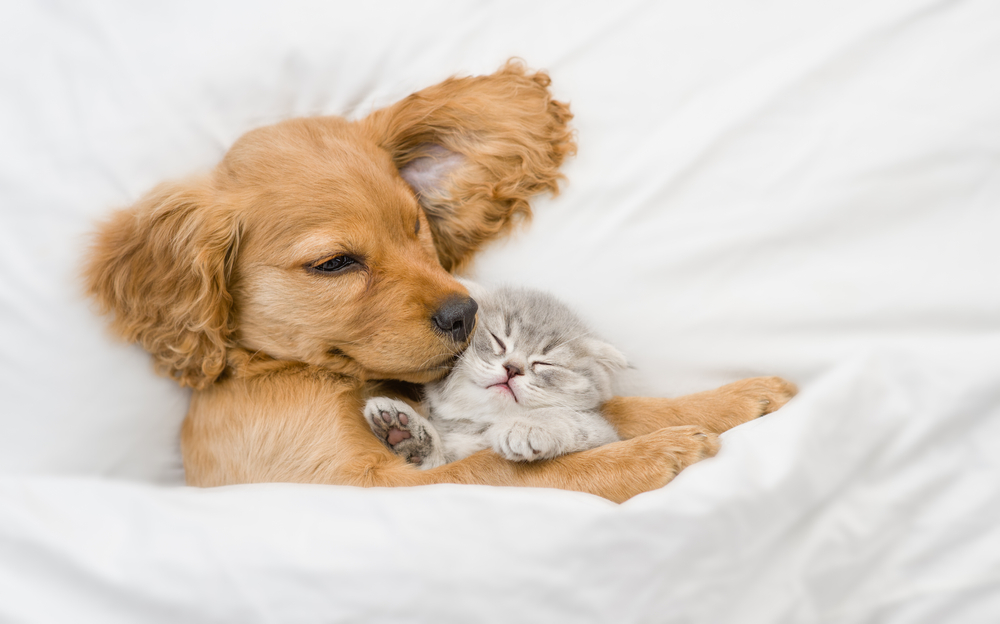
column 315, row 260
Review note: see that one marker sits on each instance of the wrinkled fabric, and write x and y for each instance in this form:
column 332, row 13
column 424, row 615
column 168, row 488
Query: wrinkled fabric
column 802, row 189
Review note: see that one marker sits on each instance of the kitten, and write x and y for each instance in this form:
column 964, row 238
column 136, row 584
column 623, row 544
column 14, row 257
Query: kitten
column 529, row 386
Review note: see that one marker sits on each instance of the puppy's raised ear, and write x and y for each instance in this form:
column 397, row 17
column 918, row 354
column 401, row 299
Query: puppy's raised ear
column 161, row 269
column 474, row 150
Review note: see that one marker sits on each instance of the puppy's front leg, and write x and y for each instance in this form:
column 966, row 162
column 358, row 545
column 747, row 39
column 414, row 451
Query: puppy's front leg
column 715, row 410
column 616, row 471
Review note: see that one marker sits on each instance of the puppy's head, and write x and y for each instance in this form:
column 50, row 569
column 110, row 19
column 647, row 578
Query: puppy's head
column 336, row 262
column 329, row 242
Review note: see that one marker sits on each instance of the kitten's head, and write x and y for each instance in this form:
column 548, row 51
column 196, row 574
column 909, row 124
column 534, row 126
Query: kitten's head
column 529, row 351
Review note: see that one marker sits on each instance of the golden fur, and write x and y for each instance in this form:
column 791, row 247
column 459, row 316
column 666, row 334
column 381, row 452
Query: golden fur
column 216, row 277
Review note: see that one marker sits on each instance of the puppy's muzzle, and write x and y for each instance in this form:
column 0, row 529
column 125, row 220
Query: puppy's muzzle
column 456, row 317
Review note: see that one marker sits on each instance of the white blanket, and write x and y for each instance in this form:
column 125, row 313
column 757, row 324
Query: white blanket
column 803, row 189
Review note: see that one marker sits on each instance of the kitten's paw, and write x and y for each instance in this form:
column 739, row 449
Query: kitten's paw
column 400, row 428
column 524, row 441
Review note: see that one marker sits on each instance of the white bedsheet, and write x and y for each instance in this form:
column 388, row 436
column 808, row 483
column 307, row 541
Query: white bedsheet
column 803, row 189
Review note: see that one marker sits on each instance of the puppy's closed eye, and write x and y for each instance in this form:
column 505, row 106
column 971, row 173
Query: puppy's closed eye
column 335, row 264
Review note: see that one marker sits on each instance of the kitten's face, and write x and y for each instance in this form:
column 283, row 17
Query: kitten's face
column 530, row 351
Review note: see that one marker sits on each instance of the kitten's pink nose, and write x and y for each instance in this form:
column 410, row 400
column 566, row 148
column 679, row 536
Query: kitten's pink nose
column 513, row 369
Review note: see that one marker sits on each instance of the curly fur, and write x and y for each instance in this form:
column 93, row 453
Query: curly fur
column 162, row 269
column 513, row 135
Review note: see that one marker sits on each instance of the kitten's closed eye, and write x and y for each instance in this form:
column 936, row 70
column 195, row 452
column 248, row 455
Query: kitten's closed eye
column 536, row 365
column 500, row 343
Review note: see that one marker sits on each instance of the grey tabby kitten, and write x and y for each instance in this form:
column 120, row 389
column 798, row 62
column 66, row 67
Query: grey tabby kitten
column 529, row 387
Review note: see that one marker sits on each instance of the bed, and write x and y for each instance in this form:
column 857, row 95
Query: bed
column 810, row 190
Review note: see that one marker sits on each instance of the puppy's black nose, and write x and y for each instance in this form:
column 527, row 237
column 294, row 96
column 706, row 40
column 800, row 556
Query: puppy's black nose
column 456, row 317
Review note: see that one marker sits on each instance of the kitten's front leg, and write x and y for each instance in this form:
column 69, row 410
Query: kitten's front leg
column 549, row 432
column 407, row 433
column 523, row 440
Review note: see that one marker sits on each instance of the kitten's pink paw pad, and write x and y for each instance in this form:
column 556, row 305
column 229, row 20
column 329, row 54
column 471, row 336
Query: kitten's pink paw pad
column 399, row 428
column 396, row 436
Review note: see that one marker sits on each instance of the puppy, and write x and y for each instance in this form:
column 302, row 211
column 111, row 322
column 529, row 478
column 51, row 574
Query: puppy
column 315, row 260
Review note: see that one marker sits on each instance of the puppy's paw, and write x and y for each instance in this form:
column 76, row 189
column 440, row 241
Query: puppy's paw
column 684, row 446
column 400, row 428
column 771, row 392
column 757, row 396
column 525, row 441
column 690, row 444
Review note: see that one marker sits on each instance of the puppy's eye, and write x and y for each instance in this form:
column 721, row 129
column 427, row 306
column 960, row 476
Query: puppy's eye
column 499, row 342
column 334, row 264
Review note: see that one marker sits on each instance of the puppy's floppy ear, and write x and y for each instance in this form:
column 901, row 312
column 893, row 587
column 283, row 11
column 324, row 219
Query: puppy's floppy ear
column 161, row 268
column 474, row 150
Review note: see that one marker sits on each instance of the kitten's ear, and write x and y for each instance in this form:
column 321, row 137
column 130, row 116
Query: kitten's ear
column 606, row 355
